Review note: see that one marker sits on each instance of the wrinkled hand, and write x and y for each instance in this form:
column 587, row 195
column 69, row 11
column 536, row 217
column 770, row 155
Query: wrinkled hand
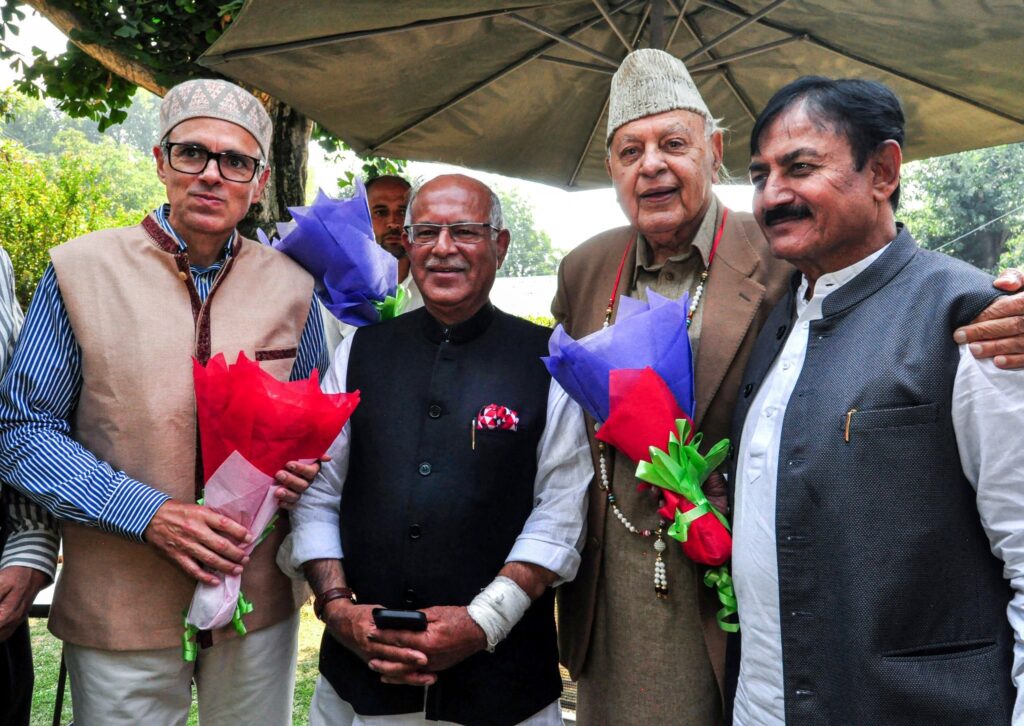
column 352, row 626
column 998, row 332
column 295, row 479
column 194, row 537
column 451, row 637
column 18, row 588
column 717, row 492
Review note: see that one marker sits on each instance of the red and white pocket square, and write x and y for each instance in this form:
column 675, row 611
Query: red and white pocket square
column 493, row 417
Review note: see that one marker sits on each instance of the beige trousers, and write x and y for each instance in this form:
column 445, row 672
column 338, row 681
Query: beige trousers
column 246, row 680
column 328, row 709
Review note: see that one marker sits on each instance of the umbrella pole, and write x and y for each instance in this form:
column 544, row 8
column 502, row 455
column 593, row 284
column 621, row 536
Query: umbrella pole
column 658, row 24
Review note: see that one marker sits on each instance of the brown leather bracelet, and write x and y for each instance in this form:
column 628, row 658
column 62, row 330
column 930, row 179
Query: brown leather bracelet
column 335, row 593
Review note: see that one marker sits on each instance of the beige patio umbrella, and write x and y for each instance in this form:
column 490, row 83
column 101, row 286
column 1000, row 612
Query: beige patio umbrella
column 521, row 88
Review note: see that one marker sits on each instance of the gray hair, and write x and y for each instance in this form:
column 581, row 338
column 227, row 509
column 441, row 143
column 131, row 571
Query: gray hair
column 495, row 218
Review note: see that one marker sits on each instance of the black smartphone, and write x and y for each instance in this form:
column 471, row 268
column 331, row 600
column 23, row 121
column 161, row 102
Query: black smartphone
column 386, row 619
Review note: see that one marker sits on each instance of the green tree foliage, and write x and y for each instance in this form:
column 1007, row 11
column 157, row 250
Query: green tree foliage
column 372, row 166
column 50, row 198
column 1014, row 254
column 164, row 38
column 154, row 43
column 949, row 196
column 531, row 252
column 36, row 123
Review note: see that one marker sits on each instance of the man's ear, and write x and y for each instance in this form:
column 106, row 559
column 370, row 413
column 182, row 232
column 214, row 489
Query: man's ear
column 158, row 154
column 886, row 163
column 261, row 184
column 503, row 240
column 718, row 153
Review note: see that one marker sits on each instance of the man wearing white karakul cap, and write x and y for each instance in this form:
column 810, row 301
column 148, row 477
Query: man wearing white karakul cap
column 97, row 424
column 641, row 656
column 638, row 657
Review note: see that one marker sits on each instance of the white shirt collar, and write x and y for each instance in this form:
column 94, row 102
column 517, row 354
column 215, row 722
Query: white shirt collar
column 832, row 281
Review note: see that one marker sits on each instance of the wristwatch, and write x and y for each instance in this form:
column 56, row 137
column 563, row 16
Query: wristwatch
column 335, row 593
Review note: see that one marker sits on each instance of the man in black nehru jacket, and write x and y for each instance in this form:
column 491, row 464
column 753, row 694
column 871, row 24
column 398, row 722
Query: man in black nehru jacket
column 457, row 490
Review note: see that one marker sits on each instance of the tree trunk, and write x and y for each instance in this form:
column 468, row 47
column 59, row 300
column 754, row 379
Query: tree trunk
column 289, row 152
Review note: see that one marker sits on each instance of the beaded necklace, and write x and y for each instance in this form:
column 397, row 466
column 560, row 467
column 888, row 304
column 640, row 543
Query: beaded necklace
column 660, row 577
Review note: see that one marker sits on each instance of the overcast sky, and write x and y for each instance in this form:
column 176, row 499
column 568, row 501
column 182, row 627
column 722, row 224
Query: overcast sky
column 568, row 217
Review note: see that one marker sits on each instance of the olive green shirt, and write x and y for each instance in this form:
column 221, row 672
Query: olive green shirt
column 680, row 273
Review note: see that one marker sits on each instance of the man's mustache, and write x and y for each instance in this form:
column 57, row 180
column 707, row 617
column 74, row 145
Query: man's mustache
column 785, row 213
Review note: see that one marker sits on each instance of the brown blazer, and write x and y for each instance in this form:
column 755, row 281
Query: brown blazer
column 743, row 287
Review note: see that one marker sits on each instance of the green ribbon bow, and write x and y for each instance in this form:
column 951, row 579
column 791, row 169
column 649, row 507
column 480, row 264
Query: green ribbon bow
column 267, row 530
column 720, row 579
column 392, row 306
column 682, row 469
column 189, row 647
column 243, row 608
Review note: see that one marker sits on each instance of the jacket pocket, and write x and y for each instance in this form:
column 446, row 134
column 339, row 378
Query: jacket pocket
column 265, row 354
column 942, row 651
column 891, row 417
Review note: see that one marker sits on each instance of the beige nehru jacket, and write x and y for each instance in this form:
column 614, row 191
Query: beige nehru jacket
column 138, row 321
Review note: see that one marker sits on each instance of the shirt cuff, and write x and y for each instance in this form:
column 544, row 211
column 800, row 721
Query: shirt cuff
column 130, row 508
column 562, row 560
column 34, row 548
column 314, row 541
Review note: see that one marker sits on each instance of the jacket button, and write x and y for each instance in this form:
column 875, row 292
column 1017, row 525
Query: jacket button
column 415, row 531
column 425, row 469
column 434, row 411
column 747, row 390
column 410, row 597
column 780, row 332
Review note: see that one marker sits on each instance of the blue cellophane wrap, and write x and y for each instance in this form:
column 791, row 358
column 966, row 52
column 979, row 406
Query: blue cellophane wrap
column 332, row 239
column 651, row 333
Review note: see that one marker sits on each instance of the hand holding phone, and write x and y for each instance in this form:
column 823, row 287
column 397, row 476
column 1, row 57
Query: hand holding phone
column 386, row 619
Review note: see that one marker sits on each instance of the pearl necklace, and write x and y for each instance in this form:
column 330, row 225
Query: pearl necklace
column 660, row 572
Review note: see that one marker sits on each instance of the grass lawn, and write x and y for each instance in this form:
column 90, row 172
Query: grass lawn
column 46, row 653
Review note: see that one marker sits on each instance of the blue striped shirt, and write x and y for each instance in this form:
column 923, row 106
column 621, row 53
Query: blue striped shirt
column 40, row 392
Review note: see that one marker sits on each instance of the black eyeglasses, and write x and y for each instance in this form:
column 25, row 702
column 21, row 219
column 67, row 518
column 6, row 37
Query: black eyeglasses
column 192, row 159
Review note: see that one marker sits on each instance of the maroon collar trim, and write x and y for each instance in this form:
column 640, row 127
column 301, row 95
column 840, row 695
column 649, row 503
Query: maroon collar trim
column 170, row 245
column 163, row 240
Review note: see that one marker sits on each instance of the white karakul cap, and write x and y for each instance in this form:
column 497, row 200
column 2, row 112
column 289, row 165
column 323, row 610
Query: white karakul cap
column 213, row 98
column 650, row 82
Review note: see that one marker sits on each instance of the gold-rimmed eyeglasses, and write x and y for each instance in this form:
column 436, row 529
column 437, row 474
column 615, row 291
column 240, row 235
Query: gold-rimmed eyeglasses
column 462, row 233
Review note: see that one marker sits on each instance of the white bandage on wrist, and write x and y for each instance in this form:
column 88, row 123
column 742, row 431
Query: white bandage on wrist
column 498, row 608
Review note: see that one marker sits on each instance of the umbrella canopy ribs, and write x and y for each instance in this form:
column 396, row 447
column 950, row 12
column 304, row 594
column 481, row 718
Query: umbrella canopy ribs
column 521, row 88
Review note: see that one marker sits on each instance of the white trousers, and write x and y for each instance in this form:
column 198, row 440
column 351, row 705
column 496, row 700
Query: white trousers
column 246, row 680
column 328, row 709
